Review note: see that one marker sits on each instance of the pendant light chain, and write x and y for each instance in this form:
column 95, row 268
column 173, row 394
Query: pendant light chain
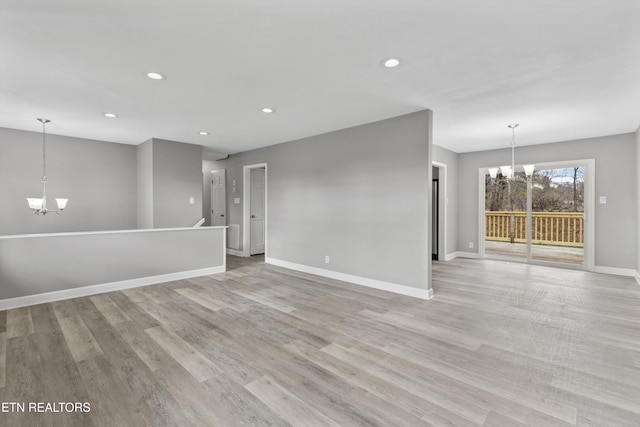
column 513, row 150
column 509, row 171
column 44, row 151
column 39, row 205
column 513, row 147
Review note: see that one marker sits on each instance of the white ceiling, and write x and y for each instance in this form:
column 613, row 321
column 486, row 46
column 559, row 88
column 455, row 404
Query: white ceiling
column 563, row 69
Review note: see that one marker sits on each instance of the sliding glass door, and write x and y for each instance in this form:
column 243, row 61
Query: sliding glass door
column 539, row 219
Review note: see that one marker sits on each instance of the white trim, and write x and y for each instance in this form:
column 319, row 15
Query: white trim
column 235, row 252
column 443, row 197
column 637, row 275
column 452, row 255
column 481, row 214
column 224, row 247
column 246, row 183
column 358, row 280
column 615, row 270
column 86, row 233
column 590, row 213
column 84, row 291
column 471, row 255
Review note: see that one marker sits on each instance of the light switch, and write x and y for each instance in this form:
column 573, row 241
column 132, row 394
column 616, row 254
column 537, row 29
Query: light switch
column 603, row 200
column 192, row 200
column 236, row 200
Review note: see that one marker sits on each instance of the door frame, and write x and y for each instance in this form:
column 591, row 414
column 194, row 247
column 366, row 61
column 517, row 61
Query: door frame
column 435, row 218
column 246, row 207
column 589, row 213
column 442, row 210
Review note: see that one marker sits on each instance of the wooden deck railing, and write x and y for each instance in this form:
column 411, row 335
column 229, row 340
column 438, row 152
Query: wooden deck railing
column 549, row 228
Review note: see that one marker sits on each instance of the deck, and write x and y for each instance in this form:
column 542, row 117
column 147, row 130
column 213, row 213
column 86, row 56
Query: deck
column 549, row 253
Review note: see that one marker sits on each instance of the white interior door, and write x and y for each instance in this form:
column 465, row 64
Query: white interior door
column 218, row 198
column 257, row 206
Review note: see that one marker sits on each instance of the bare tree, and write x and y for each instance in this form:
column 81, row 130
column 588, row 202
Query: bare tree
column 575, row 189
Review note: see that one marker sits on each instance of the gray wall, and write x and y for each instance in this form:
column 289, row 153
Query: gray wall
column 442, row 155
column 359, row 195
column 169, row 174
column 615, row 222
column 144, row 153
column 638, row 204
column 176, row 177
column 77, row 260
column 98, row 178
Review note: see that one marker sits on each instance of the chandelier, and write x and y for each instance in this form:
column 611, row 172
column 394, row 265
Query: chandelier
column 39, row 205
column 509, row 171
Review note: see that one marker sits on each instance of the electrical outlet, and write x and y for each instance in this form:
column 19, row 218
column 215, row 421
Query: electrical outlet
column 470, row 245
column 192, row 200
column 326, row 259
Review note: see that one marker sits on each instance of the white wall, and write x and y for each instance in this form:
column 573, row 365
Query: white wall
column 615, row 222
column 98, row 178
column 360, row 195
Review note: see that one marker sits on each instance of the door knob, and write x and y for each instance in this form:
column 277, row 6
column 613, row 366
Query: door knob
column 253, row 216
column 221, row 214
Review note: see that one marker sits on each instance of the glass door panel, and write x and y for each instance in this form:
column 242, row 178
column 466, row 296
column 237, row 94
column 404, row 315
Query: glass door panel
column 505, row 217
column 558, row 215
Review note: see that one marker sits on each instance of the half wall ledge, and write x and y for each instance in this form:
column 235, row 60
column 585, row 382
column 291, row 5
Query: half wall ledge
column 39, row 268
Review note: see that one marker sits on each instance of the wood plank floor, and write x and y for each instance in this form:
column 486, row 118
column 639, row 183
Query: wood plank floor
column 500, row 345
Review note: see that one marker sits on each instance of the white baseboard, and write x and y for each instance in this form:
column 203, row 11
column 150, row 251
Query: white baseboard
column 614, row 270
column 235, row 252
column 358, row 280
column 460, row 254
column 638, row 277
column 452, row 255
column 84, row 291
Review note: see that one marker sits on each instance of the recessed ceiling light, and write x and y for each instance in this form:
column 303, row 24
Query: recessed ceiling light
column 203, row 133
column 268, row 110
column 110, row 115
column 391, row 62
column 156, row 76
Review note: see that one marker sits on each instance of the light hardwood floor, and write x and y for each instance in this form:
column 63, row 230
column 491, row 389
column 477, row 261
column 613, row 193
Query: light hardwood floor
column 499, row 345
